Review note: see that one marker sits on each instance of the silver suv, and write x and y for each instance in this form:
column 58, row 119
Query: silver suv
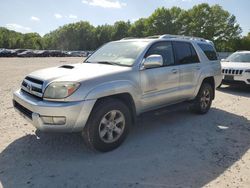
column 102, row 96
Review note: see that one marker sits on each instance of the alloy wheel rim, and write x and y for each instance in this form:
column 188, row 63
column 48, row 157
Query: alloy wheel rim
column 205, row 99
column 111, row 126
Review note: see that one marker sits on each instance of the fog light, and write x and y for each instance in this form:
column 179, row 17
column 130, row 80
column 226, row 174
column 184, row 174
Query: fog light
column 51, row 120
column 59, row 120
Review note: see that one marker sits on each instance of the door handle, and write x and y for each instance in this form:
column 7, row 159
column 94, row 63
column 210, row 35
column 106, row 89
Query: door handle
column 174, row 71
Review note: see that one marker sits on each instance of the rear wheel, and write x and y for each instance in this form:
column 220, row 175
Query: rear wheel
column 107, row 126
column 203, row 100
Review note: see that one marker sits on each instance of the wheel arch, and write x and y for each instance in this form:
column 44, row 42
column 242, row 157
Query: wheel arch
column 210, row 80
column 126, row 98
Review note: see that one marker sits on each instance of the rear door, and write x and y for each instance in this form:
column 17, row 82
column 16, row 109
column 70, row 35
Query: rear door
column 160, row 85
column 189, row 68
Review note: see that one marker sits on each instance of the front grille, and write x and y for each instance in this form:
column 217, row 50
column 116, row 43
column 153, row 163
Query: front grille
column 23, row 110
column 33, row 86
column 34, row 80
column 232, row 71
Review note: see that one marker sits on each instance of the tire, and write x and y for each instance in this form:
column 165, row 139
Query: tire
column 203, row 100
column 107, row 126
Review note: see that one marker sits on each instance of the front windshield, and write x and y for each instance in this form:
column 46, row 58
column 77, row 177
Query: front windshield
column 239, row 57
column 122, row 53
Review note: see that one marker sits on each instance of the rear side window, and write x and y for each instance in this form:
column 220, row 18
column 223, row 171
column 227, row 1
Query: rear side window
column 209, row 50
column 164, row 49
column 185, row 53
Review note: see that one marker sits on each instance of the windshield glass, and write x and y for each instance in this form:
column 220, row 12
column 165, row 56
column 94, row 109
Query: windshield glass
column 239, row 57
column 122, row 53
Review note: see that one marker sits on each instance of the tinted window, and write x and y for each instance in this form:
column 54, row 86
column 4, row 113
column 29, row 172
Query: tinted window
column 195, row 58
column 165, row 50
column 185, row 53
column 209, row 51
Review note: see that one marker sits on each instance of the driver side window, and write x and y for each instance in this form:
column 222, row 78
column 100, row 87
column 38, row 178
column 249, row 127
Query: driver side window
column 164, row 49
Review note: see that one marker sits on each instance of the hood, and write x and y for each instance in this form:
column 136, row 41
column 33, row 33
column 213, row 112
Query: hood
column 77, row 72
column 235, row 65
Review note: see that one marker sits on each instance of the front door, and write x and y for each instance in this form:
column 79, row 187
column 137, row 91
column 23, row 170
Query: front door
column 160, row 85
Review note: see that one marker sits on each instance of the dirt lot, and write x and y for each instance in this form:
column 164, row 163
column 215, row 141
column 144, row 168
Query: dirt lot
column 164, row 149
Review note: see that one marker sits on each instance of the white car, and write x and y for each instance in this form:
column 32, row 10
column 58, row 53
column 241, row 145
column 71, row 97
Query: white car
column 236, row 68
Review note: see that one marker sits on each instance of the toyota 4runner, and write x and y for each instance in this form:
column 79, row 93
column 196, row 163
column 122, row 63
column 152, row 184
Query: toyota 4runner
column 102, row 96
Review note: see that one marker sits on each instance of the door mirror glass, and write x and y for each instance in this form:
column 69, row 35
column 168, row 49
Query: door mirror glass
column 153, row 61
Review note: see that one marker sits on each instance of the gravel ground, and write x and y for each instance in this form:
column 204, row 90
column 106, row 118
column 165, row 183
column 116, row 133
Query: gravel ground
column 164, row 149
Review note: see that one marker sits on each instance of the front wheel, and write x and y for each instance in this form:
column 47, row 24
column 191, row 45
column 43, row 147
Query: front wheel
column 107, row 126
column 203, row 100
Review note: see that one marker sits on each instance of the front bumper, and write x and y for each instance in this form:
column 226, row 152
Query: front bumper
column 31, row 108
column 244, row 78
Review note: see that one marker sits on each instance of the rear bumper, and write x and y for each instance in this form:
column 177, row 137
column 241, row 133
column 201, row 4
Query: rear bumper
column 31, row 108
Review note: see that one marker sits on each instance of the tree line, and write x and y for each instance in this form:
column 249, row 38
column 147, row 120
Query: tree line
column 210, row 22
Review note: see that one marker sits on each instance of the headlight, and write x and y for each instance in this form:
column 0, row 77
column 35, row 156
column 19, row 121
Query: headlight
column 60, row 90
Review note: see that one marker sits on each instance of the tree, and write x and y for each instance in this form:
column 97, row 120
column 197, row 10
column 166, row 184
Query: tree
column 32, row 41
column 76, row 36
column 164, row 21
column 103, row 34
column 120, row 30
column 138, row 29
column 213, row 23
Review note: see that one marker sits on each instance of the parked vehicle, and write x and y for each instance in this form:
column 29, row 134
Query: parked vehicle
column 77, row 54
column 236, row 68
column 102, row 96
column 26, row 53
column 41, row 53
column 17, row 51
column 7, row 53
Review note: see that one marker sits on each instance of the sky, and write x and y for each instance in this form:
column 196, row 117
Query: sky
column 43, row 16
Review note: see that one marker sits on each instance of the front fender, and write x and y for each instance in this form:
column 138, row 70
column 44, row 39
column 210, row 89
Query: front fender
column 114, row 88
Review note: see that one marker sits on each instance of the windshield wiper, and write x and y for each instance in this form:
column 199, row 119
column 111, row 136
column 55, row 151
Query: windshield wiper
column 107, row 62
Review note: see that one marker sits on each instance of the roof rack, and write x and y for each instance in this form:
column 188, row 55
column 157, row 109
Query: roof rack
column 169, row 36
column 183, row 37
column 154, row 37
column 166, row 36
column 127, row 38
column 242, row 51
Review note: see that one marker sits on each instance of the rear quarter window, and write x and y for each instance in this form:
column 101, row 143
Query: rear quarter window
column 209, row 51
column 185, row 53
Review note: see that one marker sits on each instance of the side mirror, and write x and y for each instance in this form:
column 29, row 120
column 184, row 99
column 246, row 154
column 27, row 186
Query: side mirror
column 153, row 61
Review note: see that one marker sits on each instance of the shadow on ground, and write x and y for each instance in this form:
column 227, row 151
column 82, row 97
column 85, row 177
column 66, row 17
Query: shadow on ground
column 171, row 149
column 239, row 90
